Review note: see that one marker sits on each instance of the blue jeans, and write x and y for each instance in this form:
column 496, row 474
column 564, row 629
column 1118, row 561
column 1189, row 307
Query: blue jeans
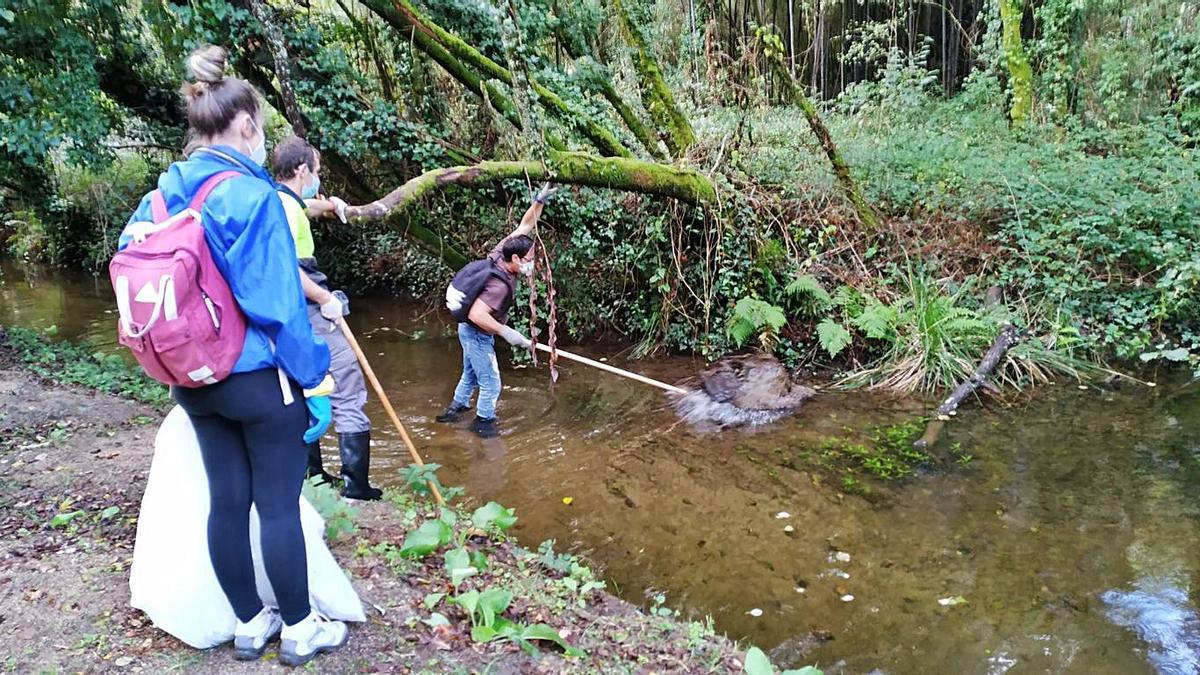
column 479, row 371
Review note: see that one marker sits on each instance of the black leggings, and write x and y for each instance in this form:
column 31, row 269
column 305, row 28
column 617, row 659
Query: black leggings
column 253, row 450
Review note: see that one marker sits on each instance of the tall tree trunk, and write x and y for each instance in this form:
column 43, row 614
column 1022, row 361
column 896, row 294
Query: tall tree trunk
column 656, row 96
column 1020, row 73
column 282, row 68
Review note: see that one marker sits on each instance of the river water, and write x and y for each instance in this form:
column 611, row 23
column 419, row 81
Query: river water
column 1069, row 543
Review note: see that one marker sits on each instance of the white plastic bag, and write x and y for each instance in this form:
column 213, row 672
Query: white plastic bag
column 172, row 578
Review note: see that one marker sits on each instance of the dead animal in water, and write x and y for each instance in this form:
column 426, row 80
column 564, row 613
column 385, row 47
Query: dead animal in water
column 750, row 389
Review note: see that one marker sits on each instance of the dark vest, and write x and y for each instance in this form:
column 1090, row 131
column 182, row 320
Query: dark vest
column 469, row 282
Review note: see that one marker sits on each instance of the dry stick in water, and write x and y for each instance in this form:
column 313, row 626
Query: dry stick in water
column 387, row 405
column 1004, row 341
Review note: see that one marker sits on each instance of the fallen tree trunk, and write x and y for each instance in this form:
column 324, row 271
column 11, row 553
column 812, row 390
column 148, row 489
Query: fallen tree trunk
column 574, row 168
column 1004, row 341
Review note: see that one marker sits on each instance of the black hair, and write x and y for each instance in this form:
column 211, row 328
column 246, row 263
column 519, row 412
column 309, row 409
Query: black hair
column 518, row 245
column 290, row 154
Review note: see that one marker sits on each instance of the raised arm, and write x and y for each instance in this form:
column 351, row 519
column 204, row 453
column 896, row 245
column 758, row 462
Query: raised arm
column 530, row 219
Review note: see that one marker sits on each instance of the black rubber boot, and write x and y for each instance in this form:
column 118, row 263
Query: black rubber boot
column 356, row 463
column 315, row 466
column 452, row 413
column 485, row 427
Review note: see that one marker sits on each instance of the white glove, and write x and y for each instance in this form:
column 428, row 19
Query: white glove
column 332, row 309
column 545, row 193
column 514, row 338
column 339, row 208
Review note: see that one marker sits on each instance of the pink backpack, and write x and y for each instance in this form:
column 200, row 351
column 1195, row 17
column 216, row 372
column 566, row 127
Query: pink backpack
column 177, row 312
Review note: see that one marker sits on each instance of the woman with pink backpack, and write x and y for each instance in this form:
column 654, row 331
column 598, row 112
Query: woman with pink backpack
column 209, row 300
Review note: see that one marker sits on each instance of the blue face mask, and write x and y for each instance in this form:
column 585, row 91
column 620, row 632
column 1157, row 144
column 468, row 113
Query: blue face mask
column 312, row 188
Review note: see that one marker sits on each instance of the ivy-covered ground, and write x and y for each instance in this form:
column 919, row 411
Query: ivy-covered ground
column 445, row 590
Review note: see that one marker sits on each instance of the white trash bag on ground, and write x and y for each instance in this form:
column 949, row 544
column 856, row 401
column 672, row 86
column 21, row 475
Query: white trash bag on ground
column 172, row 578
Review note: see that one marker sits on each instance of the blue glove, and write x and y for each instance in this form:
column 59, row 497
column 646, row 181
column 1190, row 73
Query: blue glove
column 321, row 413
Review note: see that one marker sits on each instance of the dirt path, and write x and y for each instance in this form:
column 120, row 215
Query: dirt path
column 73, row 466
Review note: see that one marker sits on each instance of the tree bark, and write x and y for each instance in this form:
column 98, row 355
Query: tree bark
column 866, row 214
column 561, row 167
column 656, row 96
column 459, row 58
column 282, row 69
column 1020, row 73
column 1004, row 341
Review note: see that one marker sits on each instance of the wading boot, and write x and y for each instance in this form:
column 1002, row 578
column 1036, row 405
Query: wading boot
column 316, row 467
column 452, row 413
column 356, row 464
column 485, row 427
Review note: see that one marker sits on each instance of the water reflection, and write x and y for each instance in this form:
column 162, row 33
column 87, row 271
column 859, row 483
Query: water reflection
column 1072, row 534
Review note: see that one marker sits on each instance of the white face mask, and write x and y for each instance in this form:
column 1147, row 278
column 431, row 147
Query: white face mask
column 527, row 268
column 258, row 154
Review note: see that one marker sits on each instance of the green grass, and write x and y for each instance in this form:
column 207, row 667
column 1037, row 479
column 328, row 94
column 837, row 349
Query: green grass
column 80, row 364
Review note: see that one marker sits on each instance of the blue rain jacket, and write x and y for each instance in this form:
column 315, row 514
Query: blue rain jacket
column 248, row 236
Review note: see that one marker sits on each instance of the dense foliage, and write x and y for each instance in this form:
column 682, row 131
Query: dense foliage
column 1085, row 213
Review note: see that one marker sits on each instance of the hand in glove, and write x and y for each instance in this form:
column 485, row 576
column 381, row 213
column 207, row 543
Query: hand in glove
column 515, row 338
column 332, row 308
column 545, row 193
column 320, row 413
column 339, row 208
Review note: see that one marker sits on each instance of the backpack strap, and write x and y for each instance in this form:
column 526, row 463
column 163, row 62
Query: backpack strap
column 208, row 186
column 158, row 207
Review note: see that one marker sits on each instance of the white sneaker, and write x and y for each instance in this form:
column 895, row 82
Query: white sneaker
column 314, row 635
column 250, row 639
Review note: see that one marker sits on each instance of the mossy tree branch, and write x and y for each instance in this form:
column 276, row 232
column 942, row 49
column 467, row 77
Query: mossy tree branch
column 460, row 58
column 575, row 168
column 656, row 96
column 773, row 50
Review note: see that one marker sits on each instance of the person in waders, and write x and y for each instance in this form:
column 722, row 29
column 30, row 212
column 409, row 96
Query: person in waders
column 479, row 297
column 297, row 167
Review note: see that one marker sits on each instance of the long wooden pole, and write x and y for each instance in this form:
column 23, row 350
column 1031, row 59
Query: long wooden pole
column 615, row 371
column 387, row 405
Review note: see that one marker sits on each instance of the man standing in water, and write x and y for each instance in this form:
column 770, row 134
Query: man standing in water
column 479, row 297
column 297, row 165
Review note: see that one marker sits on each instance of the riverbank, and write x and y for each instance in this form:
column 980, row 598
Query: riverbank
column 73, row 466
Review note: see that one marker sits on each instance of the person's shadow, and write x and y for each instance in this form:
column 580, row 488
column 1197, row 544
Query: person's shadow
column 487, row 470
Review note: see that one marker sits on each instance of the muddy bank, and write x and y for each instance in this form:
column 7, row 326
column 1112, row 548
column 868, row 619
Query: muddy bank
column 73, row 466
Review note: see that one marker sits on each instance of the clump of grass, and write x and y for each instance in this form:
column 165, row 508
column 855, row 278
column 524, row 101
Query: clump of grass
column 83, row 365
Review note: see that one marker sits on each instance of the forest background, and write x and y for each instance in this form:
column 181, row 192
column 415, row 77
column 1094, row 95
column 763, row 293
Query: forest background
column 871, row 190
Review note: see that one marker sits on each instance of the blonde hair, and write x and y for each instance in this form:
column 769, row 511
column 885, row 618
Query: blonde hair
column 213, row 100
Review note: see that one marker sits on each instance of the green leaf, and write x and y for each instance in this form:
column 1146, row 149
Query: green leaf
column 109, row 512
column 468, row 601
column 542, row 631
column 876, row 321
column 483, row 634
column 1176, row 355
column 426, row 539
column 492, row 603
column 63, row 519
column 448, row 517
column 493, row 515
column 479, row 560
column 833, row 337
column 757, row 663
column 436, row 619
column 458, row 564
column 805, row 285
column 433, row 599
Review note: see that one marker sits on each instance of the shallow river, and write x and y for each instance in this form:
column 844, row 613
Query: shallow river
column 1068, row 544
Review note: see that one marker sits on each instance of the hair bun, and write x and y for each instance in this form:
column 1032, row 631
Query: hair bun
column 207, row 64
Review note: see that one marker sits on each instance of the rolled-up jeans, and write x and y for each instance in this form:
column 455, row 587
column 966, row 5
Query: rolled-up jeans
column 480, row 371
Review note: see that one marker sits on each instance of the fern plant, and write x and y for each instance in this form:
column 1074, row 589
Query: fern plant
column 753, row 317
